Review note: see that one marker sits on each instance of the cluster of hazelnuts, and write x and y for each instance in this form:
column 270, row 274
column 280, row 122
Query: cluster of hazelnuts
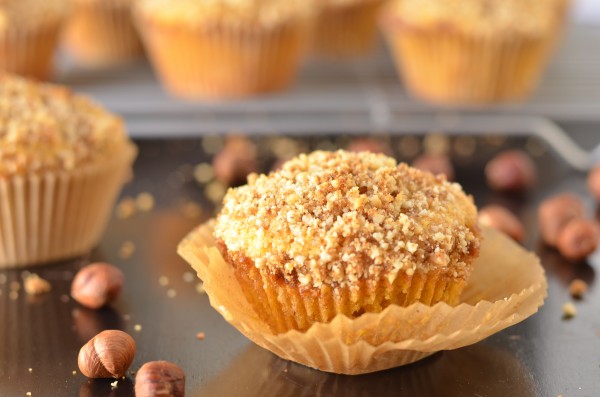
column 110, row 353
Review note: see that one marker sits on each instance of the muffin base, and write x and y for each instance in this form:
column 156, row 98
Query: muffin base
column 29, row 52
column 221, row 61
column 55, row 216
column 347, row 31
column 101, row 33
column 285, row 306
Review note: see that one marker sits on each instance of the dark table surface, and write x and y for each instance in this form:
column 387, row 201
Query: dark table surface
column 40, row 336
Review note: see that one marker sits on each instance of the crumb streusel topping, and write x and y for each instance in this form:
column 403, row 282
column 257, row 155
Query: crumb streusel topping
column 340, row 217
column 266, row 13
column 45, row 127
column 31, row 13
column 482, row 16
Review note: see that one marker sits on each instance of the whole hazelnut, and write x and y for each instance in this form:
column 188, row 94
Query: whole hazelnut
column 97, row 284
column 502, row 219
column 593, row 182
column 368, row 145
column 555, row 213
column 512, row 170
column 159, row 378
column 578, row 239
column 436, row 164
column 107, row 355
column 236, row 160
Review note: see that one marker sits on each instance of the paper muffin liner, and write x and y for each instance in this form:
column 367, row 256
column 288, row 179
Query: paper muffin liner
column 507, row 285
column 348, row 30
column 224, row 61
column 102, row 33
column 58, row 215
column 447, row 65
column 29, row 51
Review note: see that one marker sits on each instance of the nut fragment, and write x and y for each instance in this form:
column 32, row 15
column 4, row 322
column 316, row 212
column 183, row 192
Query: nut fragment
column 235, row 161
column 107, row 355
column 593, row 182
column 512, row 170
column 160, row 378
column 35, row 285
column 578, row 288
column 555, row 213
column 97, row 284
column 578, row 239
column 569, row 310
column 502, row 219
column 436, row 164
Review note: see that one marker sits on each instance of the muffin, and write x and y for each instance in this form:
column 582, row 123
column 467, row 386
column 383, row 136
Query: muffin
column 29, row 31
column 63, row 160
column 472, row 51
column 225, row 48
column 350, row 233
column 101, row 33
column 346, row 28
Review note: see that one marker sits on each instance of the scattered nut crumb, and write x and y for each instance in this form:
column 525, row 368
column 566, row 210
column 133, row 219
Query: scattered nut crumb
column 74, row 372
column 137, row 327
column 30, row 370
column 204, row 173
column 200, row 288
column 200, row 335
column 569, row 310
column 28, row 393
column 126, row 208
column 114, row 385
column 171, row 293
column 163, row 281
column 188, row 277
column 578, row 288
column 144, row 201
column 126, row 250
column 35, row 285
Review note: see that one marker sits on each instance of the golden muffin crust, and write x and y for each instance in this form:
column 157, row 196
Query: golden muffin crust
column 209, row 12
column 340, row 218
column 45, row 127
column 481, row 16
column 31, row 13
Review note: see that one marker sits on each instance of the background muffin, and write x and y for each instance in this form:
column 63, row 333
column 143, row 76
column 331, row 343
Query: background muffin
column 346, row 27
column 29, row 31
column 341, row 232
column 101, row 32
column 63, row 160
column 225, row 48
column 472, row 51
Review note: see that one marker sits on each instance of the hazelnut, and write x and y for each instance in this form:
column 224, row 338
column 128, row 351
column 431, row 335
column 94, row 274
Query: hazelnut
column 237, row 159
column 593, row 182
column 368, row 145
column 502, row 219
column 578, row 239
column 97, row 284
column 35, row 285
column 160, row 378
column 107, row 355
column 512, row 170
column 578, row 288
column 555, row 213
column 436, row 164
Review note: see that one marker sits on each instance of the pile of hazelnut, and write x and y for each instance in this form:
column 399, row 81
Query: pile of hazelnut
column 110, row 353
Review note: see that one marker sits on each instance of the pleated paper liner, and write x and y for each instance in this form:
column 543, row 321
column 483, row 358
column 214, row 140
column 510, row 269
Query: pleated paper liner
column 225, row 60
column 101, row 33
column 57, row 215
column 29, row 51
column 507, row 285
column 347, row 30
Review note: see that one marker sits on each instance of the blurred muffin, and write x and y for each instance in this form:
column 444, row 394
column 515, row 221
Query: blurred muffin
column 29, row 31
column 225, row 48
column 346, row 28
column 101, row 32
column 63, row 160
column 472, row 51
column 341, row 232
